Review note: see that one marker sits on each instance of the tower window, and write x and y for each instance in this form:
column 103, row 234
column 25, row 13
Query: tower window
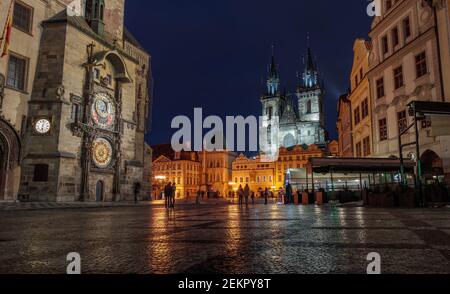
column 40, row 173
column 95, row 10
column 269, row 135
column 308, row 107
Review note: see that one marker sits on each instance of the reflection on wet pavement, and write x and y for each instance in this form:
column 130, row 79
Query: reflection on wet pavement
column 225, row 239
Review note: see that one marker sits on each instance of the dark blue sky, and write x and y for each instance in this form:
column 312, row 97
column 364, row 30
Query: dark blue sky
column 214, row 53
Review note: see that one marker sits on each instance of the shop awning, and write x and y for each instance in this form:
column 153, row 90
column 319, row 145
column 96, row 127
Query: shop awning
column 359, row 165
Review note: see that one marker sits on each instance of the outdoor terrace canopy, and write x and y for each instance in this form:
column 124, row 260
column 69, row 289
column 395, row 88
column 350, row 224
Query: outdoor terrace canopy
column 359, row 165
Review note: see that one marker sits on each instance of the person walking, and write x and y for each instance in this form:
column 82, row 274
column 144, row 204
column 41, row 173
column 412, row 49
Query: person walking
column 137, row 191
column 266, row 196
column 167, row 192
column 253, row 198
column 241, row 195
column 173, row 191
column 288, row 193
column 197, row 198
column 246, row 193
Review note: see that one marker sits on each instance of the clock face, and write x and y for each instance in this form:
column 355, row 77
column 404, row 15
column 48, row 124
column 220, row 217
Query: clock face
column 42, row 126
column 102, row 153
column 103, row 111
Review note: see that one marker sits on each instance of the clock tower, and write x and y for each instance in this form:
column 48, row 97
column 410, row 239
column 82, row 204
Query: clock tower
column 84, row 139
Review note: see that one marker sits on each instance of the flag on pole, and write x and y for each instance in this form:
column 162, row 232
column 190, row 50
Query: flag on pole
column 6, row 37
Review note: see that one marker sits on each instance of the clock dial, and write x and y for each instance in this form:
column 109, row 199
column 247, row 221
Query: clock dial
column 42, row 126
column 103, row 111
column 102, row 153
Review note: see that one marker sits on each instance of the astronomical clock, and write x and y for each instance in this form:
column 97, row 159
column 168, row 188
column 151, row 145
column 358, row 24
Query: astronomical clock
column 103, row 111
column 103, row 115
column 102, row 153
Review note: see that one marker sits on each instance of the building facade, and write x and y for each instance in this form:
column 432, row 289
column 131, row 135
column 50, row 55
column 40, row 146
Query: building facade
column 360, row 100
column 254, row 172
column 15, row 88
column 405, row 65
column 345, row 126
column 180, row 168
column 191, row 171
column 81, row 120
column 217, row 171
column 259, row 174
column 293, row 121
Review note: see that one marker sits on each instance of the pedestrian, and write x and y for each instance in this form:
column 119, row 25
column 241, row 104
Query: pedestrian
column 288, row 193
column 197, row 199
column 167, row 192
column 174, row 190
column 246, row 193
column 266, row 196
column 253, row 198
column 137, row 190
column 241, row 195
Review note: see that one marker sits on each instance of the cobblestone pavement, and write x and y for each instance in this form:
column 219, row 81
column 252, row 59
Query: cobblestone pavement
column 225, row 239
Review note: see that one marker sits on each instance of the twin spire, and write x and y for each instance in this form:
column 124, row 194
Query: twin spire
column 309, row 78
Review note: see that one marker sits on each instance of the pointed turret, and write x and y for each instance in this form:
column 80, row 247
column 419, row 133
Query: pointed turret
column 310, row 76
column 310, row 66
column 273, row 80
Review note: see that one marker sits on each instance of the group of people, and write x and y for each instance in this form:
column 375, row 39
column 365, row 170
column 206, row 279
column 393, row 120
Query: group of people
column 169, row 195
column 245, row 194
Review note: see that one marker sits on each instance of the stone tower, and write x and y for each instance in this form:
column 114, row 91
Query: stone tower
column 292, row 120
column 273, row 103
column 310, row 103
column 84, row 139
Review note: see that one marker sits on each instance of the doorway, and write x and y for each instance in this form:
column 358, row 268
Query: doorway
column 99, row 191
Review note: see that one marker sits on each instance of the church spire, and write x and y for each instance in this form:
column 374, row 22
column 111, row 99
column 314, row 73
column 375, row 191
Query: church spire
column 273, row 80
column 310, row 77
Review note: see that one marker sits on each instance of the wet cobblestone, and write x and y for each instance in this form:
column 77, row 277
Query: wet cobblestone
column 225, row 239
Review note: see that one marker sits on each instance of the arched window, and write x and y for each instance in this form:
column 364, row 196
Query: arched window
column 308, row 107
column 95, row 10
column 269, row 135
column 102, row 9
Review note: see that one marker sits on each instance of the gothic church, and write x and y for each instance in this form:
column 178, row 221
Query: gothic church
column 294, row 121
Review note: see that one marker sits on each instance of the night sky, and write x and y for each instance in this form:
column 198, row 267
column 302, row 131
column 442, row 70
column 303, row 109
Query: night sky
column 214, row 53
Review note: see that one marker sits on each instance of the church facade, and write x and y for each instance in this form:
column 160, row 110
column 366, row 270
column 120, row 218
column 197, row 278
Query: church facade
column 292, row 120
column 83, row 108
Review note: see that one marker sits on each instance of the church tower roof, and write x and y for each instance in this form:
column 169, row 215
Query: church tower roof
column 273, row 68
column 273, row 79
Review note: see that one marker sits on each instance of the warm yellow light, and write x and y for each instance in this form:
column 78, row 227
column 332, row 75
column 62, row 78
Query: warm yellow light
column 231, row 183
column 160, row 177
